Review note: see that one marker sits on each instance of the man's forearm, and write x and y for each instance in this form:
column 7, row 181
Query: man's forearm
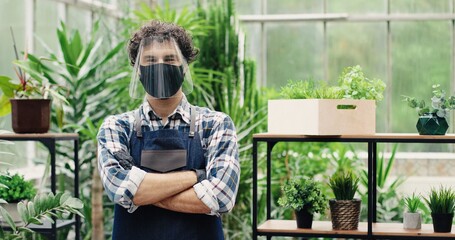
column 186, row 201
column 156, row 187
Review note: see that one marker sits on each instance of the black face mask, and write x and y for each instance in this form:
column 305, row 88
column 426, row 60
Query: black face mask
column 161, row 80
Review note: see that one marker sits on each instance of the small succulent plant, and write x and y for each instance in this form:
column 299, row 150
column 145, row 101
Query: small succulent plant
column 440, row 104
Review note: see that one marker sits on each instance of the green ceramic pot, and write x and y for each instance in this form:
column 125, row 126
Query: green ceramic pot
column 432, row 125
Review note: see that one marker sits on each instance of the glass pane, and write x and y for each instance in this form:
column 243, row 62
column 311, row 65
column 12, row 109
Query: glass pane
column 11, row 15
column 248, row 7
column 78, row 19
column 294, row 51
column 357, row 6
column 294, row 6
column 421, row 54
column 46, row 21
column 420, row 6
column 253, row 46
column 363, row 44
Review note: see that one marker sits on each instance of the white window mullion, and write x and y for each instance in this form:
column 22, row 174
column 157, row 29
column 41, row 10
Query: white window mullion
column 29, row 24
column 29, row 43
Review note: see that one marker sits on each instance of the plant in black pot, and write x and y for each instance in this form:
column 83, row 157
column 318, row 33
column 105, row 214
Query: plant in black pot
column 344, row 209
column 412, row 219
column 305, row 197
column 14, row 189
column 441, row 203
column 432, row 121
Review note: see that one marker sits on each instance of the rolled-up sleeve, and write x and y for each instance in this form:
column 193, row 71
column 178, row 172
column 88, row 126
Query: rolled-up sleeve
column 219, row 191
column 118, row 175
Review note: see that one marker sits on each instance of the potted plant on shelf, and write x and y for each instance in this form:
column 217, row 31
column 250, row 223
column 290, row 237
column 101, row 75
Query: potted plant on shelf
column 412, row 219
column 305, row 197
column 14, row 189
column 432, row 120
column 345, row 209
column 348, row 108
column 28, row 97
column 441, row 203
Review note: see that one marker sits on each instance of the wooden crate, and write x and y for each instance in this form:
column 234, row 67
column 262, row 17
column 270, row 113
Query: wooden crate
column 322, row 117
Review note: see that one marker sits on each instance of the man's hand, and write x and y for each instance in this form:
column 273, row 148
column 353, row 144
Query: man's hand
column 186, row 201
column 156, row 187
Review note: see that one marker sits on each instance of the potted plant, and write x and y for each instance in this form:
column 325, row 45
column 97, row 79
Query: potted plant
column 345, row 209
column 14, row 189
column 28, row 97
column 411, row 218
column 305, row 197
column 432, row 120
column 348, row 108
column 441, row 203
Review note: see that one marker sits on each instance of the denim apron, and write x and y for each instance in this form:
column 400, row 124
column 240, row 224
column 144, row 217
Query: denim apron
column 150, row 222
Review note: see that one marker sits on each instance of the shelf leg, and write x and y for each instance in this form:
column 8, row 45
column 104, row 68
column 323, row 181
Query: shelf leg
column 255, row 189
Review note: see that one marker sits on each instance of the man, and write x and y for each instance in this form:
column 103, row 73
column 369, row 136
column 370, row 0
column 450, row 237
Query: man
column 171, row 168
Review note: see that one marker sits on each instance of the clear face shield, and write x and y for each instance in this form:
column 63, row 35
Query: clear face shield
column 160, row 70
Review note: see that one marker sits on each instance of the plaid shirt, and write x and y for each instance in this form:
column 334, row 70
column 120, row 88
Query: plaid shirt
column 121, row 178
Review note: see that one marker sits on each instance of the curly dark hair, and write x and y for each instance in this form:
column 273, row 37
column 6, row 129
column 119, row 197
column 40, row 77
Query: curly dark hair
column 166, row 30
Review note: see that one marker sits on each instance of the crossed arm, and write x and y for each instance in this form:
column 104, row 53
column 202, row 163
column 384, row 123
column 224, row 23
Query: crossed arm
column 173, row 191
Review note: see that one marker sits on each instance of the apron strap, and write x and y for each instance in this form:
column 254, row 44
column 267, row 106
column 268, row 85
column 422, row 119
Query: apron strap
column 192, row 122
column 138, row 123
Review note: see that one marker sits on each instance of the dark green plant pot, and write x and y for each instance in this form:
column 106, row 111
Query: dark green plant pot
column 432, row 125
column 304, row 218
column 442, row 222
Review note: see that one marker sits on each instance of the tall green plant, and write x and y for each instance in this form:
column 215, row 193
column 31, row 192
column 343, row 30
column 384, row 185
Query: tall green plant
column 389, row 207
column 86, row 68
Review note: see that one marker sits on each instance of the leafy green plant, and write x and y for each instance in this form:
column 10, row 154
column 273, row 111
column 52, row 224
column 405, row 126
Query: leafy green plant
column 309, row 89
column 440, row 105
column 42, row 208
column 15, row 188
column 389, row 207
column 412, row 203
column 354, row 85
column 441, row 200
column 303, row 193
column 344, row 184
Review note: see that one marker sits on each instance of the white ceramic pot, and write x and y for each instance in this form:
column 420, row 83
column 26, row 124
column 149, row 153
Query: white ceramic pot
column 412, row 220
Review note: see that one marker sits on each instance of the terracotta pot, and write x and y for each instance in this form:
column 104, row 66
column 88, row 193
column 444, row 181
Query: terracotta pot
column 30, row 115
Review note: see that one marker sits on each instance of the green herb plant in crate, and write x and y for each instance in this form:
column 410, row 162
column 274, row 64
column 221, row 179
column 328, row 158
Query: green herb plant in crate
column 305, row 197
column 412, row 219
column 318, row 108
column 345, row 209
column 442, row 206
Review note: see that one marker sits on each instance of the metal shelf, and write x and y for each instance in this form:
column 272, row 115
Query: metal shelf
column 49, row 140
column 369, row 230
